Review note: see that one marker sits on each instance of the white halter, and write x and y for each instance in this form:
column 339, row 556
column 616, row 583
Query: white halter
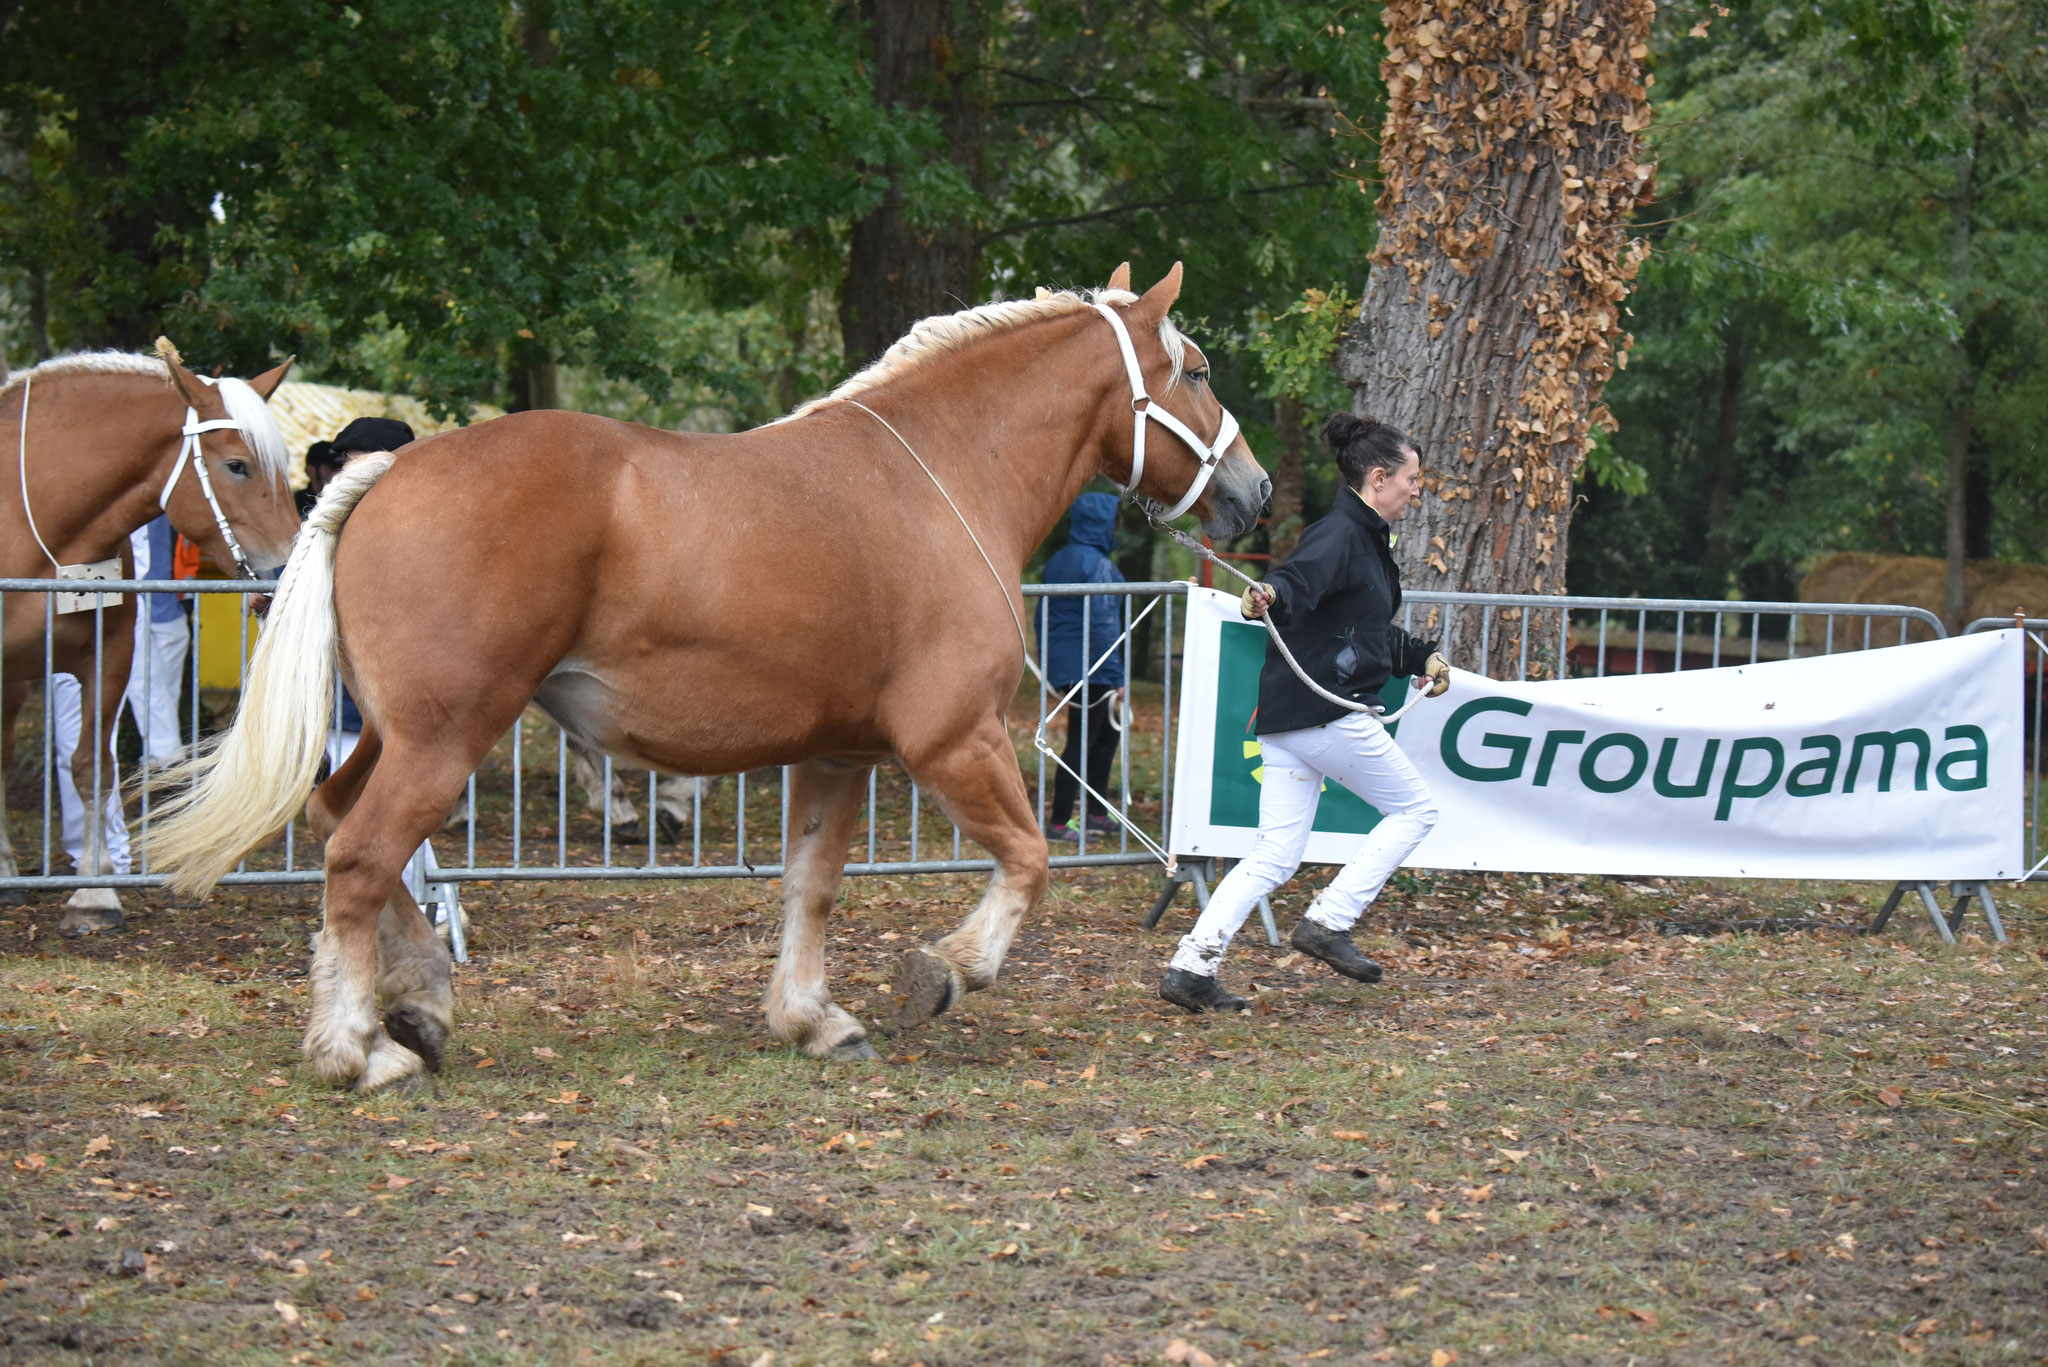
column 190, row 452
column 1210, row 454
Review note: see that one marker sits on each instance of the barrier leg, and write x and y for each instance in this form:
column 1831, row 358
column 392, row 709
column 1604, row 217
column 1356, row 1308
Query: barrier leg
column 1927, row 899
column 1266, row 915
column 1891, row 904
column 1963, row 892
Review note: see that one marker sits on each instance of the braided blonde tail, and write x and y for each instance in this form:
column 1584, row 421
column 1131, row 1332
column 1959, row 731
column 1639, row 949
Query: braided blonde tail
column 242, row 787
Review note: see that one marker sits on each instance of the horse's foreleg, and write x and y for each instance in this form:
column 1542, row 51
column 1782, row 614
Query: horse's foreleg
column 981, row 789
column 824, row 804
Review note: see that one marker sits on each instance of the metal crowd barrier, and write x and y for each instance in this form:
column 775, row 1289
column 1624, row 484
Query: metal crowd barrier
column 2037, row 668
column 524, row 823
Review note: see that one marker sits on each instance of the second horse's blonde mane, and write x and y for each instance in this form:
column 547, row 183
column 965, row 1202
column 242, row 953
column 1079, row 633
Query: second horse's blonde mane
column 943, row 333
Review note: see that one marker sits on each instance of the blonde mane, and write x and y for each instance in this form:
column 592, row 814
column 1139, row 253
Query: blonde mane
column 260, row 432
column 944, row 333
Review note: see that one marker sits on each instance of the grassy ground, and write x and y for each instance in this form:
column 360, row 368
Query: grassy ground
column 1553, row 1135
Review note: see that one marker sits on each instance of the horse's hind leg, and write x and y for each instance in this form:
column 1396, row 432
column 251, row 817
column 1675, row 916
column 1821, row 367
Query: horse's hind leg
column 12, row 696
column 403, row 801
column 824, row 803
column 413, row 978
column 982, row 790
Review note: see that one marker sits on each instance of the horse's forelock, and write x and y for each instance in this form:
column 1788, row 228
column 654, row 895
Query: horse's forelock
column 260, row 432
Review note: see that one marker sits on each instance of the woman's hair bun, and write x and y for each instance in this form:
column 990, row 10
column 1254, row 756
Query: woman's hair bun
column 1344, row 428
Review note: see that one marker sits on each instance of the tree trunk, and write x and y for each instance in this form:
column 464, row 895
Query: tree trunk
column 532, row 378
column 1722, row 493
column 1492, row 316
column 1284, row 513
column 1962, row 391
column 899, row 271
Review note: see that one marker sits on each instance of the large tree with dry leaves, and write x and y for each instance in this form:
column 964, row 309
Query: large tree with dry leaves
column 1493, row 312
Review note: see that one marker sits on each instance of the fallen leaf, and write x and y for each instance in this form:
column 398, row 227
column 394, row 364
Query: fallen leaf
column 1006, row 1251
column 99, row 1143
column 286, row 1311
column 393, row 1182
column 1349, row 1134
column 1203, row 1160
column 1477, row 1194
column 1516, row 1155
column 573, row 1239
column 1647, row 1318
column 542, row 1051
column 1088, row 1073
column 1892, row 1097
column 1443, row 1357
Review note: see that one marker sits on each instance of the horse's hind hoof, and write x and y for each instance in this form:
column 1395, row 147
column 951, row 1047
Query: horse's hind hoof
column 419, row 1032
column 88, row 913
column 854, row 1050
column 670, row 825
column 923, row 988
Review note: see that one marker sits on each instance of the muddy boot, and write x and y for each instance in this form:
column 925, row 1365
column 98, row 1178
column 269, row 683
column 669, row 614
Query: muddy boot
column 1193, row 992
column 1334, row 948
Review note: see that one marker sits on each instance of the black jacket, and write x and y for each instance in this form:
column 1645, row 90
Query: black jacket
column 1339, row 596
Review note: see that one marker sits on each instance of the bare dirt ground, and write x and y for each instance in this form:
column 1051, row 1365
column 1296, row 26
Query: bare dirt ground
column 1553, row 1135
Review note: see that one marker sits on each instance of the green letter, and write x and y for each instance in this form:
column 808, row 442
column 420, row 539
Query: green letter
column 1978, row 752
column 1889, row 742
column 1732, row 785
column 1638, row 760
column 1831, row 748
column 1516, row 746
column 1551, row 742
column 1698, row 787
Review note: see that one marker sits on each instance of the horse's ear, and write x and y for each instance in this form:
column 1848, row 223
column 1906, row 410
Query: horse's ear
column 1159, row 299
column 188, row 384
column 266, row 384
column 1120, row 278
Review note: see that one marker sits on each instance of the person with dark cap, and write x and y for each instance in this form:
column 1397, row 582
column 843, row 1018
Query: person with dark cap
column 322, row 465
column 1079, row 632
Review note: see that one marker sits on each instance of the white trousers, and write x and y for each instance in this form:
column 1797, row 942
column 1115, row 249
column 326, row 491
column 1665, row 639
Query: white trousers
column 155, row 681
column 67, row 717
column 1356, row 751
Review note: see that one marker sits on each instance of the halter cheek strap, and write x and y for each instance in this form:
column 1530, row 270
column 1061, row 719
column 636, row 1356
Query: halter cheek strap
column 190, row 451
column 1209, row 454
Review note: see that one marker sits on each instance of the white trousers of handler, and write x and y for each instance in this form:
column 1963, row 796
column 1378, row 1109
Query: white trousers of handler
column 67, row 718
column 153, row 702
column 1356, row 751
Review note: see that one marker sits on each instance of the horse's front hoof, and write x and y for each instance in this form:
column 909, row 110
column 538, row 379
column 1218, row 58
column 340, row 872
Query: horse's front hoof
column 923, row 988
column 670, row 825
column 419, row 1032
column 854, row 1049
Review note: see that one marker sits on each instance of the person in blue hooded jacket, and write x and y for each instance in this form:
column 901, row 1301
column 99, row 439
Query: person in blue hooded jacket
column 1092, row 737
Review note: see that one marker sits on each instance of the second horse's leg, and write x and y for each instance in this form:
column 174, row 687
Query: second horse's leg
column 824, row 803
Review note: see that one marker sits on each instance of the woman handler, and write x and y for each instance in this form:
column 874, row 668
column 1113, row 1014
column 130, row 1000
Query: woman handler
column 1334, row 601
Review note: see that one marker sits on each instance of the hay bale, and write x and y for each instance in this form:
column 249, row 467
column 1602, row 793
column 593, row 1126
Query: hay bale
column 307, row 413
column 1996, row 588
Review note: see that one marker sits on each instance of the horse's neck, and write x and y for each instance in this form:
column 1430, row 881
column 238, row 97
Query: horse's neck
column 1011, row 426
column 97, row 451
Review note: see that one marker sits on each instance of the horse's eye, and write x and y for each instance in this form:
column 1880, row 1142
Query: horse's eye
column 238, row 468
column 1199, row 376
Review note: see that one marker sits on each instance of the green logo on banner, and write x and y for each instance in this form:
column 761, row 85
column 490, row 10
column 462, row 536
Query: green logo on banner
column 1234, row 784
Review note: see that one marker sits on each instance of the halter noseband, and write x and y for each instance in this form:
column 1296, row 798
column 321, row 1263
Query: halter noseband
column 1210, row 454
column 190, row 451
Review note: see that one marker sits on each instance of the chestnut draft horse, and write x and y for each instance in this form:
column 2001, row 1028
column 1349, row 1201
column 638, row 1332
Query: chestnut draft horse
column 104, row 442
column 826, row 592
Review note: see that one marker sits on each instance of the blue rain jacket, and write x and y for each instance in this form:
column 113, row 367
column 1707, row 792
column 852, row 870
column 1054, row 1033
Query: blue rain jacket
column 1091, row 536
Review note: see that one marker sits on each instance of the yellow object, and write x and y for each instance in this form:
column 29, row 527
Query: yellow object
column 220, row 639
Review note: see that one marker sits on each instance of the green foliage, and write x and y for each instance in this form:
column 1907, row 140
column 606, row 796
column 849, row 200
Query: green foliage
column 1856, row 245
column 1292, row 348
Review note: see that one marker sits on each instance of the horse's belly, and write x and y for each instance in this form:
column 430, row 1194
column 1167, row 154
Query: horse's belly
column 706, row 729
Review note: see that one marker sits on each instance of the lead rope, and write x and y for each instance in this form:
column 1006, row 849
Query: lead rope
column 26, row 381
column 1204, row 553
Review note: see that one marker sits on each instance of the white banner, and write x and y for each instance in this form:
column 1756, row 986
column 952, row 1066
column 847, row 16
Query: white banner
column 1897, row 763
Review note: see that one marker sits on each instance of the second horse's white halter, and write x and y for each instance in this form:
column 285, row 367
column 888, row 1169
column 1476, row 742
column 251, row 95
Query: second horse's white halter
column 1210, row 454
column 190, row 452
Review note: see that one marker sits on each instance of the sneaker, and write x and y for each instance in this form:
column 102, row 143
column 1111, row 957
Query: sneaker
column 1193, row 992
column 1103, row 824
column 1061, row 831
column 1334, row 948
